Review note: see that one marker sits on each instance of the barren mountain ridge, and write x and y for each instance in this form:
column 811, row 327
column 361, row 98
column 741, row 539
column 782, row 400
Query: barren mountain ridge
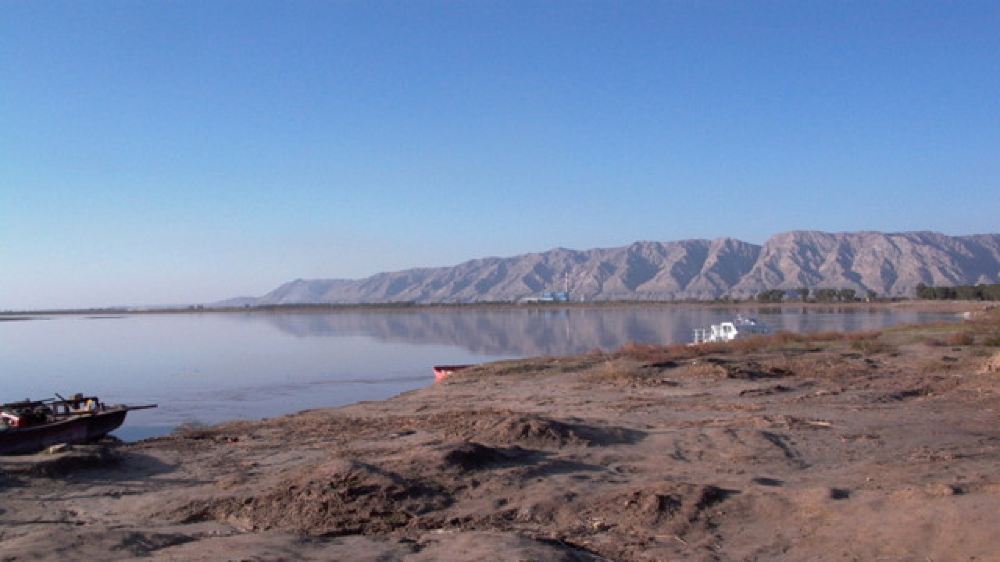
column 891, row 264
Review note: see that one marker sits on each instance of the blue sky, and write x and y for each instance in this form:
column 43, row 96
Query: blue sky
column 177, row 152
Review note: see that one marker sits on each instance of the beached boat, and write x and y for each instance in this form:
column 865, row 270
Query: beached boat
column 740, row 327
column 442, row 372
column 30, row 426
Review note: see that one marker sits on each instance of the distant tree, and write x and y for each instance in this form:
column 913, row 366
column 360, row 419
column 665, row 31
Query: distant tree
column 773, row 295
column 924, row 292
column 945, row 293
column 981, row 292
column 968, row 293
column 825, row 295
column 846, row 295
column 991, row 292
column 803, row 293
column 871, row 295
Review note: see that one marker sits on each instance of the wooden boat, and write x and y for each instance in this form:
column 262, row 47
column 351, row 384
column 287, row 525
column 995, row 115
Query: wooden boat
column 30, row 426
column 442, row 372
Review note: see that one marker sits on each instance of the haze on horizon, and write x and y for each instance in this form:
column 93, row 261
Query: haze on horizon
column 186, row 152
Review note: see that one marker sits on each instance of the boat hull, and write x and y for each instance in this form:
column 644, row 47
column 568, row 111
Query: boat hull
column 75, row 430
column 442, row 372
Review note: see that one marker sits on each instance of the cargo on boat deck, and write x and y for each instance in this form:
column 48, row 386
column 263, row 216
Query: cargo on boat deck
column 30, row 426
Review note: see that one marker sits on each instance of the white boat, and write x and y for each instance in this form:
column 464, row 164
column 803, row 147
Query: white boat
column 740, row 327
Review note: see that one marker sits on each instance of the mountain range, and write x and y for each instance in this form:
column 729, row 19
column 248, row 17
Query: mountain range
column 890, row 264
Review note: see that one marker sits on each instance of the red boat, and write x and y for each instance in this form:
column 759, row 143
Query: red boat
column 32, row 426
column 442, row 372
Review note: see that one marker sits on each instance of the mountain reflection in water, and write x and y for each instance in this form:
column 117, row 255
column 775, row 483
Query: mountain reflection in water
column 564, row 331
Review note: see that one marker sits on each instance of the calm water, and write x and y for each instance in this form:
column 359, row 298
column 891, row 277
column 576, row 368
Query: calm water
column 212, row 367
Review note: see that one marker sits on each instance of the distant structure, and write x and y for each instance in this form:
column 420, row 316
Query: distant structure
column 551, row 296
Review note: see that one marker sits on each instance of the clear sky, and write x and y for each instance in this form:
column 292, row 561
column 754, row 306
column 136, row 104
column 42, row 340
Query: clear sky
column 189, row 151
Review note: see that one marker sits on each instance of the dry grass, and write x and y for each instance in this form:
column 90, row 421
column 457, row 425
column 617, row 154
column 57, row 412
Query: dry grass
column 845, row 336
column 967, row 333
column 951, row 340
column 615, row 371
column 988, row 323
column 871, row 347
column 992, row 365
column 700, row 370
column 531, row 366
column 652, row 353
column 928, row 328
column 960, row 338
column 193, row 430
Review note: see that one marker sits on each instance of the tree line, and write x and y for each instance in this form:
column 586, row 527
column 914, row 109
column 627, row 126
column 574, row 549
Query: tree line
column 979, row 292
column 805, row 294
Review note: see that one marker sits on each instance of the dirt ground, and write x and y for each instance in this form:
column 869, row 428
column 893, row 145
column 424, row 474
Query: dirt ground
column 877, row 446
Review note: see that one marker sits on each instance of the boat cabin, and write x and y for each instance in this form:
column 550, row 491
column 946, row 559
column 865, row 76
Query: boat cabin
column 729, row 331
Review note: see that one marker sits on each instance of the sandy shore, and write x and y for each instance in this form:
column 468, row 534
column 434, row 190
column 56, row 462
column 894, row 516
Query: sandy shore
column 873, row 447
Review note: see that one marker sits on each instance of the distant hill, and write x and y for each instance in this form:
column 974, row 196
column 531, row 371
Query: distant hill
column 889, row 264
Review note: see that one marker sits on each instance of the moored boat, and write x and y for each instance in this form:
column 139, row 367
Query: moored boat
column 442, row 372
column 740, row 327
column 30, row 426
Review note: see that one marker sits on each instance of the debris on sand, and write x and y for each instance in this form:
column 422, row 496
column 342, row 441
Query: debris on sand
column 675, row 505
column 339, row 497
column 991, row 365
column 540, row 431
column 470, row 456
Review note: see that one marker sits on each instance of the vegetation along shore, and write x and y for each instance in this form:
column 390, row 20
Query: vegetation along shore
column 941, row 298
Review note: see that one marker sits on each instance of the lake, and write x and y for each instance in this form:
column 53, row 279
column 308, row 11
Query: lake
column 206, row 368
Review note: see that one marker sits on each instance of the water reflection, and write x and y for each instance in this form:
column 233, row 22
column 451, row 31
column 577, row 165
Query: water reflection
column 562, row 331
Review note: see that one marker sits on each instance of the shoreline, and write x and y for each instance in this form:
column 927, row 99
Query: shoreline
column 824, row 446
column 116, row 313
